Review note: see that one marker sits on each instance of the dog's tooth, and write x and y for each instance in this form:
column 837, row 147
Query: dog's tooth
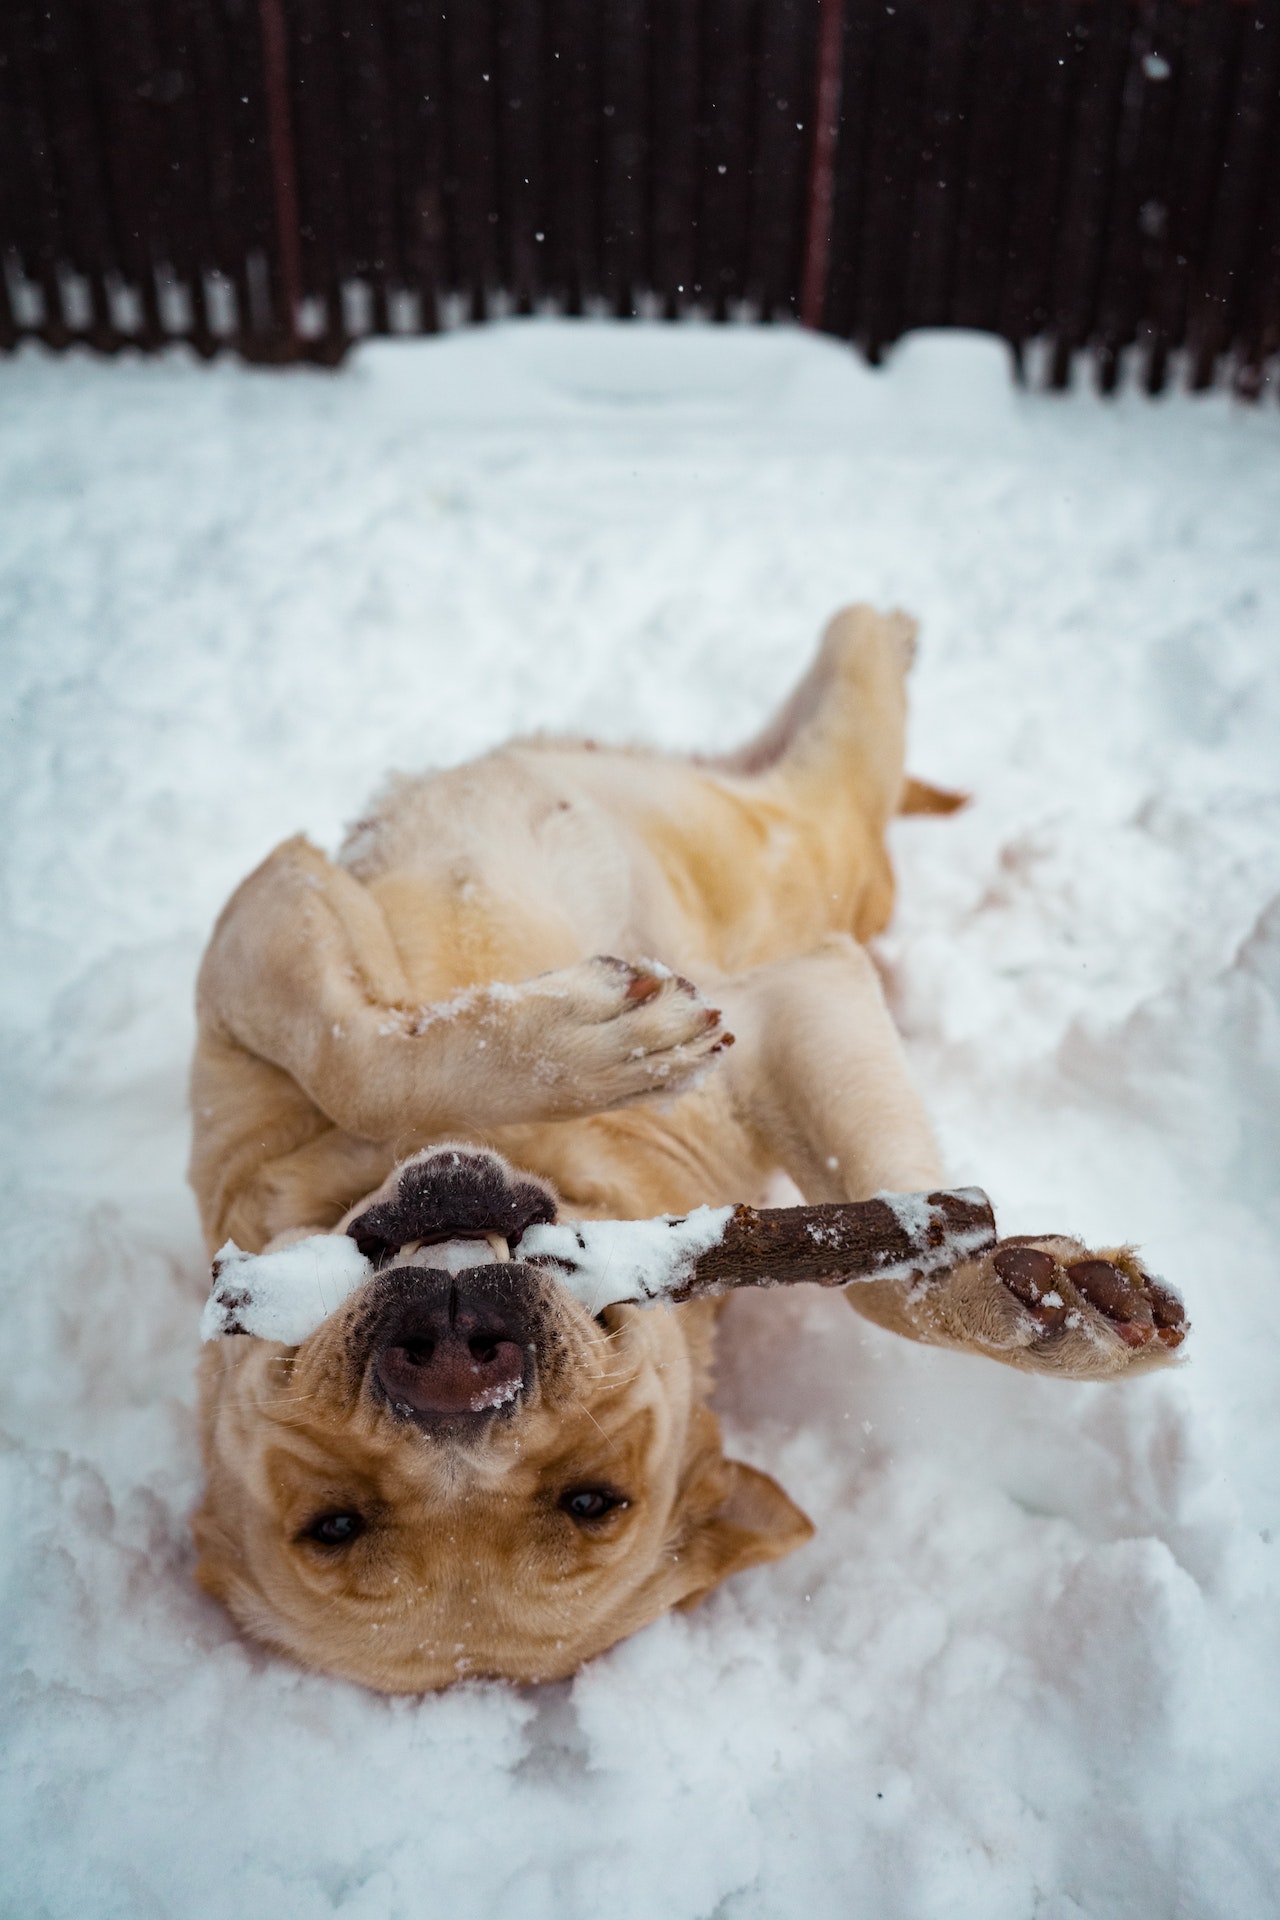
column 501, row 1251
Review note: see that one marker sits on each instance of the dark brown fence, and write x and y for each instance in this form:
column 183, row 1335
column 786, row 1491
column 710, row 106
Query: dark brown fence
column 282, row 176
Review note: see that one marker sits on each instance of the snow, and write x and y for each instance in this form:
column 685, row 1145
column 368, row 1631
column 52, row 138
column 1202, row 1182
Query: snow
column 919, row 1219
column 1029, row 1665
column 603, row 1261
column 911, row 1211
column 285, row 1294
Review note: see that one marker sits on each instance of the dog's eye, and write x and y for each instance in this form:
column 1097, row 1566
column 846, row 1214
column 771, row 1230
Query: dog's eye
column 590, row 1503
column 334, row 1529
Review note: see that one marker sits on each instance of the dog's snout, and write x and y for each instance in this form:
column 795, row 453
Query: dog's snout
column 450, row 1373
column 452, row 1353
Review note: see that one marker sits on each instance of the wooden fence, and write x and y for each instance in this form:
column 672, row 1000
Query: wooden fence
column 282, row 176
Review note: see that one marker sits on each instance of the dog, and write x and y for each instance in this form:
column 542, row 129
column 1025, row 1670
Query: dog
column 482, row 1015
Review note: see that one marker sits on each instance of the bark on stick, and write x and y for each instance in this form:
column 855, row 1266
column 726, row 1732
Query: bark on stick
column 833, row 1246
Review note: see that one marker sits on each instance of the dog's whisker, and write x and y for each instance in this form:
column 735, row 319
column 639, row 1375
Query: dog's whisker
column 608, row 1440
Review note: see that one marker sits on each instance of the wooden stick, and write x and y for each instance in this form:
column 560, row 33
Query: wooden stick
column 286, row 1295
column 831, row 1246
column 901, row 1236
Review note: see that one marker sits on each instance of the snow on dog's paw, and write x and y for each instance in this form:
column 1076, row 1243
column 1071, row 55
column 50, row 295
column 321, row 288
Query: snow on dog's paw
column 626, row 1029
column 1093, row 1315
column 663, row 1032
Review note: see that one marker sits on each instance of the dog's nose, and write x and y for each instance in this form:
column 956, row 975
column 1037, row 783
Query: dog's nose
column 451, row 1357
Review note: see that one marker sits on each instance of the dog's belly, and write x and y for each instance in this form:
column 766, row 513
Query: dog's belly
column 537, row 857
column 493, row 872
column 453, row 929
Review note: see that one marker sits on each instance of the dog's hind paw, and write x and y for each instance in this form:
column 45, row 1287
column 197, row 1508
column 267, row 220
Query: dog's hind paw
column 1060, row 1308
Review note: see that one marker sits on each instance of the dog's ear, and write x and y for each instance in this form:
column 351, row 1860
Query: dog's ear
column 755, row 1522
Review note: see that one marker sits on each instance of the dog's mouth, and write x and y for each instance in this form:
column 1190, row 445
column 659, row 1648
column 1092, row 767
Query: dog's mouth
column 448, row 1202
column 451, row 1252
column 430, row 1271
column 453, row 1328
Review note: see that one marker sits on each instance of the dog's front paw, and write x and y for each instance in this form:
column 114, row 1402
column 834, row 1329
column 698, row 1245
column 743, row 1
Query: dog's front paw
column 614, row 1031
column 1073, row 1311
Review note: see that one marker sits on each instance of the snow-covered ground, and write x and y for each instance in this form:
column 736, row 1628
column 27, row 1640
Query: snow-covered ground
column 1030, row 1666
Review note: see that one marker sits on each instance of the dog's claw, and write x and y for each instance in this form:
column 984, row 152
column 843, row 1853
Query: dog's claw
column 1133, row 1332
column 643, row 988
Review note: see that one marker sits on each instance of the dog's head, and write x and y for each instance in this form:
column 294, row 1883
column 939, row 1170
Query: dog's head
column 462, row 1472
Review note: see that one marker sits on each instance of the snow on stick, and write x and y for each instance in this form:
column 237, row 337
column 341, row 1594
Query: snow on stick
column 284, row 1295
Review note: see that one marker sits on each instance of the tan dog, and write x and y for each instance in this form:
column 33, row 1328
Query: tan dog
column 462, row 1472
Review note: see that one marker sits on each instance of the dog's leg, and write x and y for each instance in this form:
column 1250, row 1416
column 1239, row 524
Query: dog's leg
column 834, row 756
column 819, row 1079
column 848, row 712
column 302, row 973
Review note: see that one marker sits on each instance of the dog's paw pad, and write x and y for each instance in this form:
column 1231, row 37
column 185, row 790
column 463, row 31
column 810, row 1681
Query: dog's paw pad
column 1061, row 1286
column 658, row 1010
column 1031, row 1275
column 644, row 986
column 1109, row 1289
column 1139, row 1307
column 1172, row 1325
